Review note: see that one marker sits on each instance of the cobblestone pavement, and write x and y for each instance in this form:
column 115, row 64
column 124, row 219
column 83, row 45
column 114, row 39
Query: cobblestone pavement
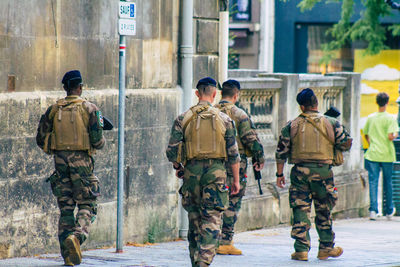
column 365, row 243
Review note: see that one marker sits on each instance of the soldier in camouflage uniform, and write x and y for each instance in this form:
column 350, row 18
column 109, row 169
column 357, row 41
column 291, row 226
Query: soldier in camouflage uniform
column 204, row 191
column 72, row 129
column 249, row 146
column 311, row 177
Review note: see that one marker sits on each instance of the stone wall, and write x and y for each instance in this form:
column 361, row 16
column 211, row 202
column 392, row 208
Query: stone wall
column 28, row 211
column 205, row 34
column 42, row 39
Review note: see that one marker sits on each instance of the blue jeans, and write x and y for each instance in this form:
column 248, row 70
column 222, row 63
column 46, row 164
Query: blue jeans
column 373, row 169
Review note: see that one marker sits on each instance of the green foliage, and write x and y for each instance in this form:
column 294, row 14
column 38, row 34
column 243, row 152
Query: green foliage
column 307, row 4
column 157, row 230
column 395, row 29
column 366, row 28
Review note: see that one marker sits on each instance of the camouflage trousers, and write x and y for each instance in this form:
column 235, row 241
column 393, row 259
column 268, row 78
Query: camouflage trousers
column 204, row 196
column 230, row 216
column 74, row 185
column 312, row 181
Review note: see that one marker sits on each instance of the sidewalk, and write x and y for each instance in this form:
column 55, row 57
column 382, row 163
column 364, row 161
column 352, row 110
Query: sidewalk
column 365, row 243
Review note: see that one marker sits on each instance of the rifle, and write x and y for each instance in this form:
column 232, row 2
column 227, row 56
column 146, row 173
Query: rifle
column 108, row 125
column 257, row 175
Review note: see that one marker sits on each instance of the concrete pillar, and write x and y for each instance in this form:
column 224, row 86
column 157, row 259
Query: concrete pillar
column 267, row 36
column 288, row 108
column 351, row 114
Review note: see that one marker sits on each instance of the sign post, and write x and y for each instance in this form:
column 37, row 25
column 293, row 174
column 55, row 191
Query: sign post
column 126, row 26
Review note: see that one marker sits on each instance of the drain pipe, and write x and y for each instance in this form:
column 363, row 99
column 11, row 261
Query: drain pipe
column 186, row 77
column 223, row 40
column 186, row 53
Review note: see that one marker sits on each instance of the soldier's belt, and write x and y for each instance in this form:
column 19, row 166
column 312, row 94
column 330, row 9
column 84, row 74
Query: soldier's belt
column 210, row 161
column 313, row 165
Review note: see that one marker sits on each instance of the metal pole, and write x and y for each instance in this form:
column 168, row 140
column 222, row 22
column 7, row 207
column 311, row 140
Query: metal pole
column 121, row 143
column 186, row 75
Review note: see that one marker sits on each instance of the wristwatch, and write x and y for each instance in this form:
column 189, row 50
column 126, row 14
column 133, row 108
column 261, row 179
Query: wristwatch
column 279, row 175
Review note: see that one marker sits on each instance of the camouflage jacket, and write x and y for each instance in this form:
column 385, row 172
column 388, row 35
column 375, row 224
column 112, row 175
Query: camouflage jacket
column 246, row 132
column 177, row 137
column 95, row 129
column 343, row 140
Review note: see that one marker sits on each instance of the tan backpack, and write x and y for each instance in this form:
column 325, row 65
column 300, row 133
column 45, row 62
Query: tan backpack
column 70, row 126
column 312, row 140
column 204, row 134
column 227, row 109
column 337, row 153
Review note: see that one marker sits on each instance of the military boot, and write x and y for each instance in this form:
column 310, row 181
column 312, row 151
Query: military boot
column 67, row 262
column 300, row 256
column 73, row 249
column 228, row 250
column 335, row 252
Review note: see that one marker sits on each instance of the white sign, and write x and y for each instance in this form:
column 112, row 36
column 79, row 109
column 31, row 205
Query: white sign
column 127, row 10
column 127, row 27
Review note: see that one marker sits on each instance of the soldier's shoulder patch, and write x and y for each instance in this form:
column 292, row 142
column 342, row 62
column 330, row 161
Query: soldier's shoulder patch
column 100, row 119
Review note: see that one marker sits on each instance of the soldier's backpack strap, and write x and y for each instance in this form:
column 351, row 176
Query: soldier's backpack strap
column 226, row 108
column 191, row 115
column 308, row 118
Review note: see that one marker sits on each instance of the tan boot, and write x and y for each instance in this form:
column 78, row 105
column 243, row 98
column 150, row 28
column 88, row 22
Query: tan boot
column 74, row 249
column 335, row 252
column 67, row 262
column 300, row 256
column 228, row 250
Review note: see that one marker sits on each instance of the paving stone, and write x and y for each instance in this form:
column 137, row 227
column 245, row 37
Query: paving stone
column 365, row 243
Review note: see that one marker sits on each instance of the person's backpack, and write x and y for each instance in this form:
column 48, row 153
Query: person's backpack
column 227, row 109
column 337, row 153
column 314, row 139
column 204, row 134
column 70, row 126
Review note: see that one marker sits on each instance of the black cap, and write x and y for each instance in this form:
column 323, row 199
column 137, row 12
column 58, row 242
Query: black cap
column 206, row 81
column 332, row 112
column 232, row 84
column 304, row 97
column 72, row 75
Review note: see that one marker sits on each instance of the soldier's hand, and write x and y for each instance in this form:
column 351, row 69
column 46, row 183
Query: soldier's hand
column 258, row 166
column 280, row 182
column 179, row 173
column 235, row 188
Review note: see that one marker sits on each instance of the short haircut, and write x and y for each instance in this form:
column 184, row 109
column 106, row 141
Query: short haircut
column 229, row 90
column 313, row 102
column 72, row 85
column 207, row 90
column 382, row 99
